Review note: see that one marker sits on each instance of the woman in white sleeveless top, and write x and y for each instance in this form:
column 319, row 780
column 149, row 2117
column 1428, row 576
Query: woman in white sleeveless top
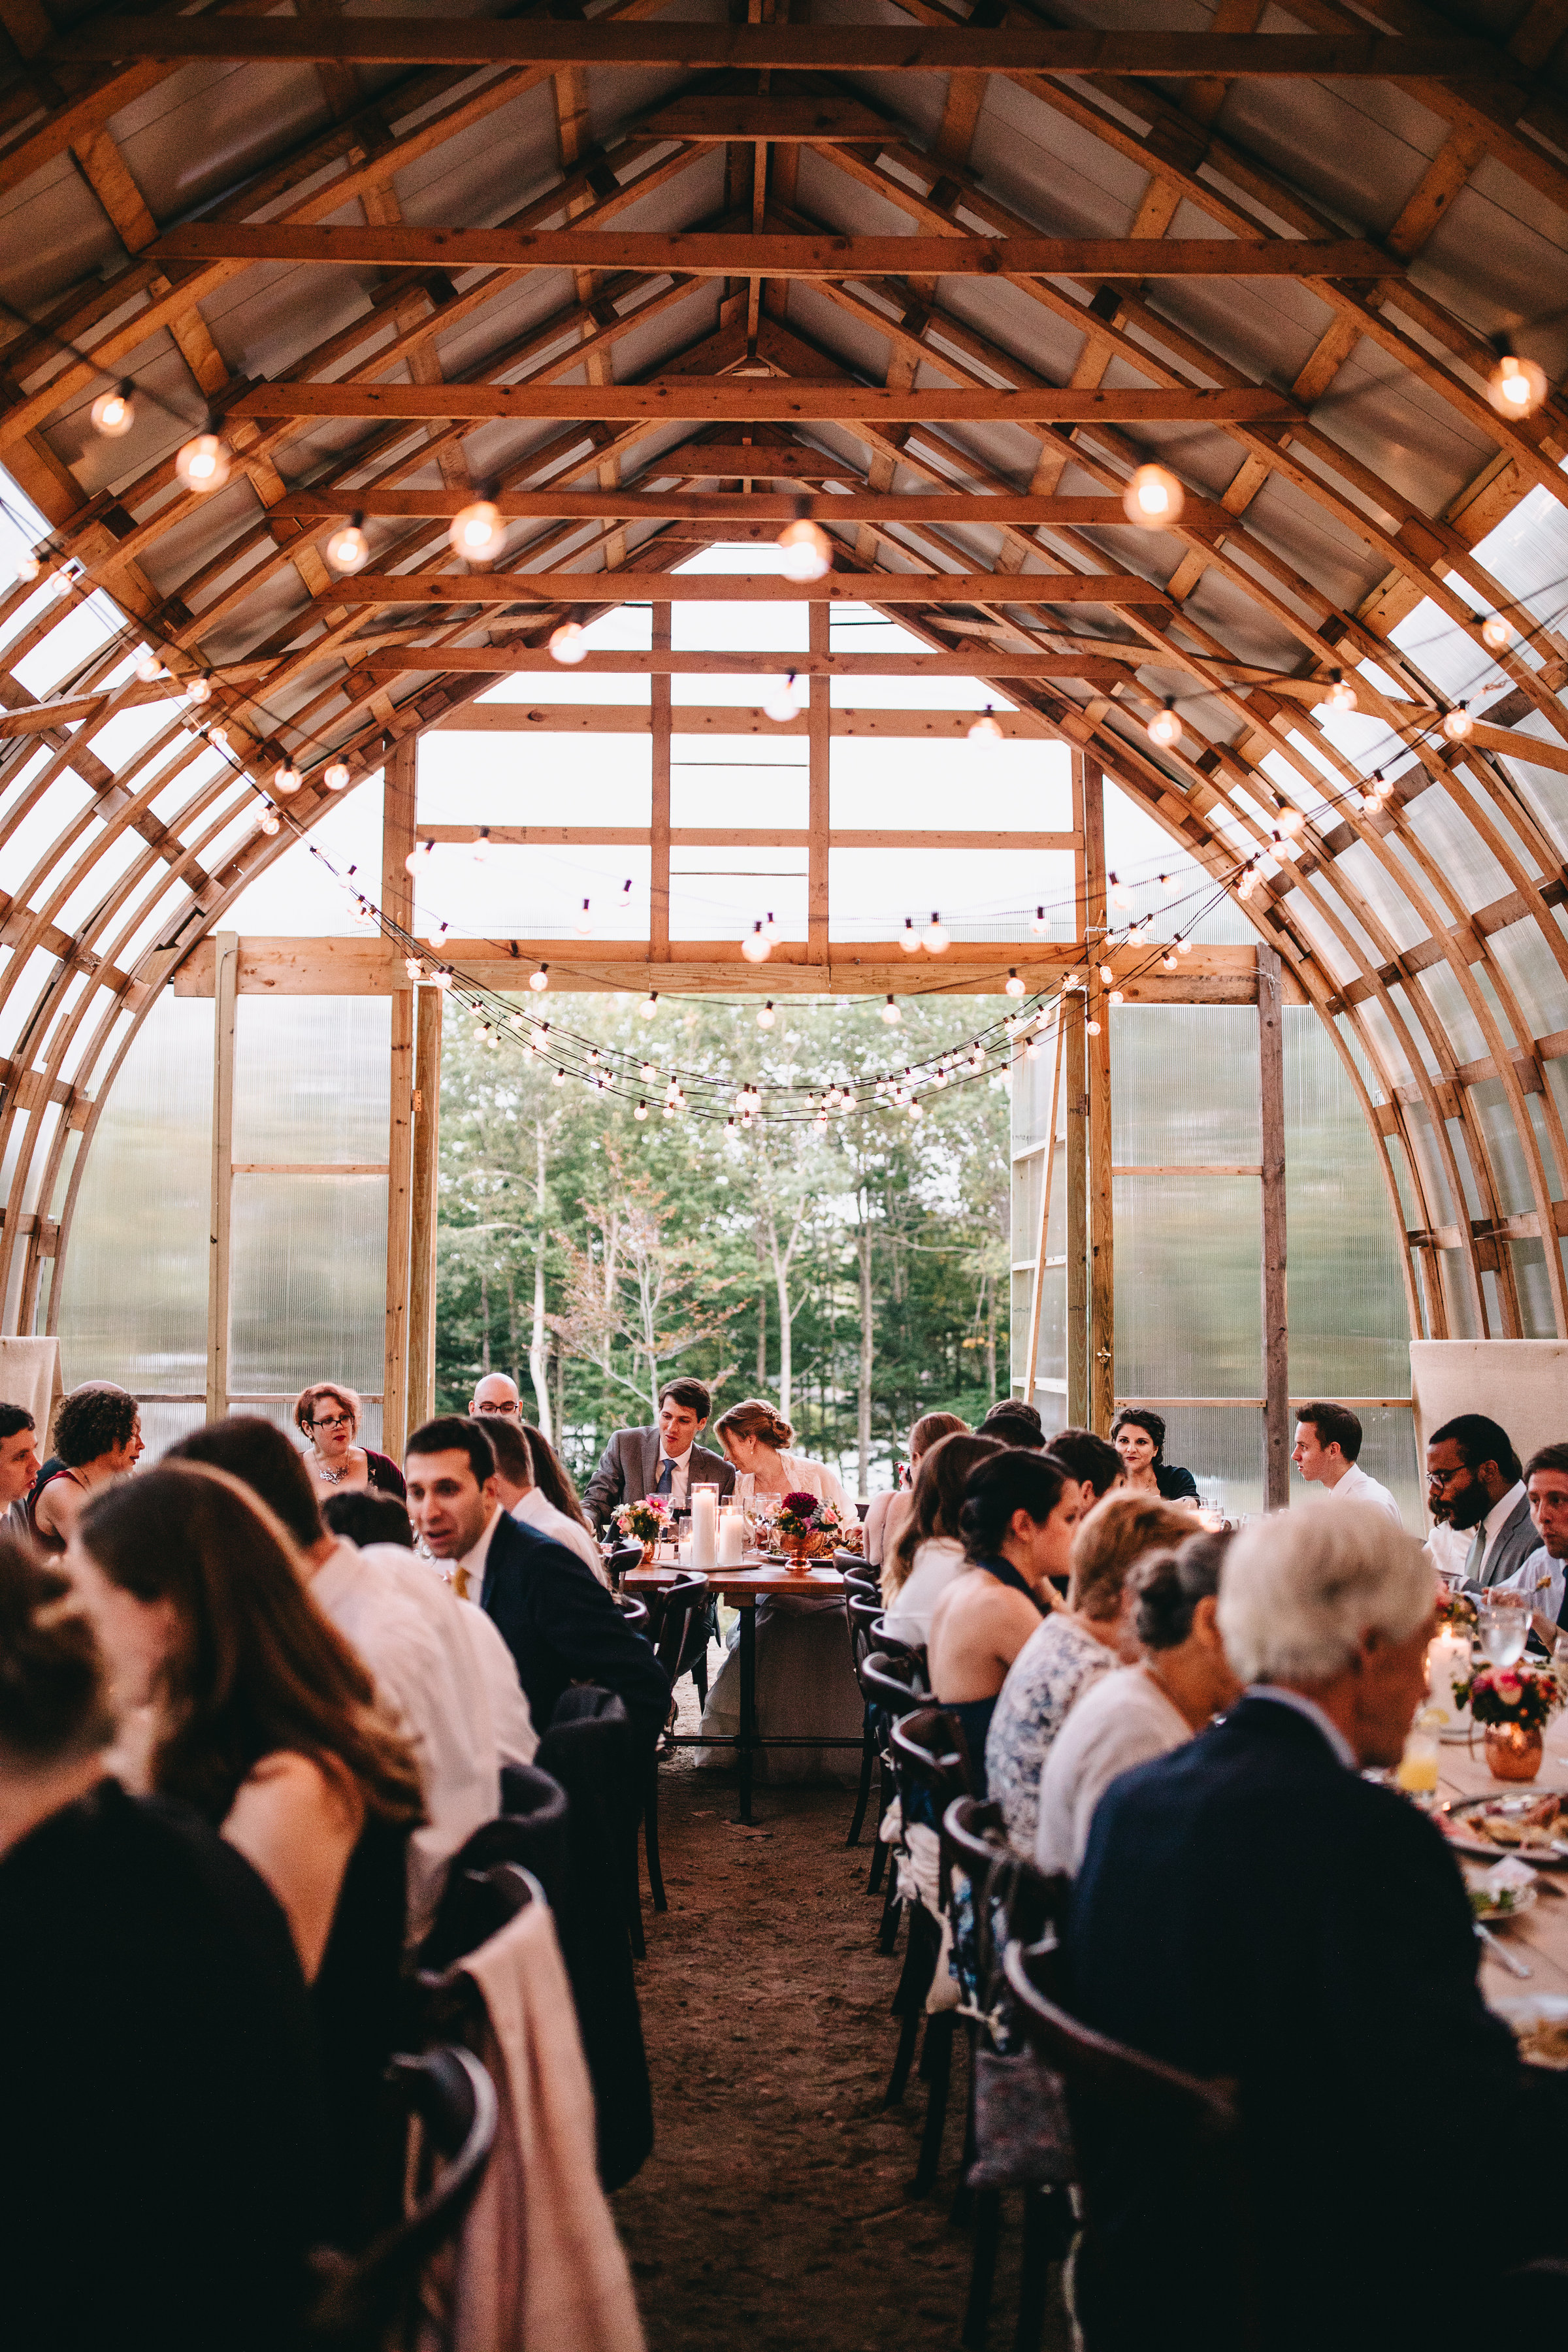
column 805, row 1680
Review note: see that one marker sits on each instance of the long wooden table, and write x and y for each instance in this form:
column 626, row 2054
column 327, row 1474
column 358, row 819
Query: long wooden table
column 1539, row 1937
column 755, row 1580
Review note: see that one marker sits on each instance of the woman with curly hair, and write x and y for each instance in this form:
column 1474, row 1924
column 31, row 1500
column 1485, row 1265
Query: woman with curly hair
column 265, row 1722
column 98, row 1437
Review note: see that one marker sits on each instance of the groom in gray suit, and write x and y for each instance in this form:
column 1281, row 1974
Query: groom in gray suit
column 663, row 1460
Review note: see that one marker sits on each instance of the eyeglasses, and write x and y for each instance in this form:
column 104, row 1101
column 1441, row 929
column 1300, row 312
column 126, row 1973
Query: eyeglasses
column 1446, row 1477
column 495, row 1408
column 334, row 1421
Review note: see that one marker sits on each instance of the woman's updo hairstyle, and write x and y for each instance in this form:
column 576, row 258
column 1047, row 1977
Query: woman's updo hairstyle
column 53, row 1706
column 1016, row 1479
column 755, row 1417
column 1170, row 1586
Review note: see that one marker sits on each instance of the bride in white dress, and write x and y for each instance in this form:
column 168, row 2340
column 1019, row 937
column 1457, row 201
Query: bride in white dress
column 805, row 1680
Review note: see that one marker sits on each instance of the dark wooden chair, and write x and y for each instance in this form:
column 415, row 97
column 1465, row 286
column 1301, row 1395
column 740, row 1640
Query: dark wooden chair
column 368, row 2302
column 684, row 1608
column 1117, row 2096
column 868, row 1632
column 890, row 1686
column 931, row 1768
column 634, row 1611
column 529, row 1833
column 616, row 1563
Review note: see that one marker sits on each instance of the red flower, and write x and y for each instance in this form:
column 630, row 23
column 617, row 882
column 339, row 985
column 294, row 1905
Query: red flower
column 800, row 1506
column 1507, row 1687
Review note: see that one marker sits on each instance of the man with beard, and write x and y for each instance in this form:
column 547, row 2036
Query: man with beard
column 1474, row 1485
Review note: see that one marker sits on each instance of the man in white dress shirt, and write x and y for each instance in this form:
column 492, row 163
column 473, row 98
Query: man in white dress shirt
column 1327, row 1451
column 1474, row 1473
column 1543, row 1574
column 521, row 1497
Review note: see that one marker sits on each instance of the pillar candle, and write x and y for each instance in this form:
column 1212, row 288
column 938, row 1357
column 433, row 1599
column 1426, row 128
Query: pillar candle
column 1448, row 1663
column 704, row 1526
column 732, row 1539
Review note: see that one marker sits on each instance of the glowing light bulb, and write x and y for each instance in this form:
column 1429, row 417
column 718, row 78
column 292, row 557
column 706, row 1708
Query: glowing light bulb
column 198, row 688
column 1497, row 634
column 583, row 921
column 891, row 1015
column 481, row 850
column 477, row 530
column 769, row 928
column 1121, row 895
column 1040, row 926
column 908, row 938
column 767, row 1016
column 417, row 857
column 336, row 775
column 219, row 736
column 1341, row 695
column 1458, row 724
column 28, row 566
column 270, row 822
column 1168, row 961
column 149, row 668
column 114, row 412
column 349, row 549
column 1165, row 729
column 755, row 947
column 936, row 935
column 1516, row 387
column 568, row 644
column 641, row 1111
column 807, row 554
column 288, row 779
column 1092, row 1027
column 1291, row 823
column 1136, row 936
column 985, row 732
column 1184, row 946
column 782, row 703
column 1152, row 498
column 915, row 1110
column 443, row 980
column 539, row 977
column 559, row 1079
column 202, row 464
column 1015, row 985
column 1116, row 997
column 1106, row 976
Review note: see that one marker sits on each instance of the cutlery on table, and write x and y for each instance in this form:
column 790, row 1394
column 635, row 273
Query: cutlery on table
column 1499, row 1950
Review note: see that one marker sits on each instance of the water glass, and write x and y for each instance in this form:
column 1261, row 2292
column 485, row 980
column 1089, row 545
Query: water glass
column 1504, row 1626
column 1560, row 1664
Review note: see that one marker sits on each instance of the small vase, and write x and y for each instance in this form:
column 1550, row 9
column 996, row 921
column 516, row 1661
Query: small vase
column 647, row 1555
column 799, row 1551
column 1512, row 1752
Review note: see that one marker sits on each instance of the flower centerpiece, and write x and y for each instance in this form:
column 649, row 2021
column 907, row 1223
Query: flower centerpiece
column 807, row 1526
column 644, row 1522
column 1514, row 1704
column 1457, row 1610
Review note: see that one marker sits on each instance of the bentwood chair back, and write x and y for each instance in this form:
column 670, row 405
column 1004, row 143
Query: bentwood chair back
column 366, row 2303
column 931, row 1768
column 634, row 1611
column 1118, row 2097
column 624, row 1557
column 530, row 1834
column 685, row 1608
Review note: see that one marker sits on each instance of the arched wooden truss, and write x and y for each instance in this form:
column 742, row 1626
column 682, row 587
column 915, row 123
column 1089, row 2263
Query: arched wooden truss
column 259, row 214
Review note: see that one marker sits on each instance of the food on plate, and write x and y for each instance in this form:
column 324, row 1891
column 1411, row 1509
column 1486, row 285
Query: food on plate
column 1545, row 2043
column 1493, row 1901
column 1536, row 1825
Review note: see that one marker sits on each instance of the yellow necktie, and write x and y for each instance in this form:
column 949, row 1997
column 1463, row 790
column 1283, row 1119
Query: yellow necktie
column 460, row 1580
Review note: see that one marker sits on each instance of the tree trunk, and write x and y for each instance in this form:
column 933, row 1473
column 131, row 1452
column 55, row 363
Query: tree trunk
column 538, row 1345
column 560, row 1396
column 514, row 1362
column 484, row 1320
column 863, row 1431
column 762, row 1312
column 990, row 1281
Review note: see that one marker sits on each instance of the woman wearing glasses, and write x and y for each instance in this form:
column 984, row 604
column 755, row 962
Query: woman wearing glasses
column 327, row 1416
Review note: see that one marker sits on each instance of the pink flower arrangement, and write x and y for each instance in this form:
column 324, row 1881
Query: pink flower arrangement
column 1502, row 1695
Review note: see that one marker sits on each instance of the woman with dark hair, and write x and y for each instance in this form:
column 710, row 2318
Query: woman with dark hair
column 1135, row 1713
column 889, row 1512
column 158, row 2163
column 328, row 1415
column 1138, row 1436
column 929, row 1552
column 552, row 1478
column 1016, row 1520
column 265, row 1722
column 98, row 1437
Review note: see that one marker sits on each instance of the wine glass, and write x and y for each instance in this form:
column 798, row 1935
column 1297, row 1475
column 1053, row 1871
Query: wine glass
column 1504, row 1626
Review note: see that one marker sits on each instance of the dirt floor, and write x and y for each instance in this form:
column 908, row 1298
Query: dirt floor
column 775, row 2212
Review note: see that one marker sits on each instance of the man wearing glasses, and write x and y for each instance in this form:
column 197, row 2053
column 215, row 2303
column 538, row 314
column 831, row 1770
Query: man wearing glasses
column 1474, row 1485
column 496, row 1394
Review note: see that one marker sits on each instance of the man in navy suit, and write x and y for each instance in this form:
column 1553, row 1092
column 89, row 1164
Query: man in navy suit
column 559, row 1622
column 1250, row 1907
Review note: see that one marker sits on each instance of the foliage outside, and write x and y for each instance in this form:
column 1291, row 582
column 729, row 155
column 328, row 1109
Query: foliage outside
column 855, row 1279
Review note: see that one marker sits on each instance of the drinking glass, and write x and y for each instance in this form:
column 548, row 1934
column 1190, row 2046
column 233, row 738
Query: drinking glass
column 1504, row 1626
column 1560, row 1664
column 1417, row 1769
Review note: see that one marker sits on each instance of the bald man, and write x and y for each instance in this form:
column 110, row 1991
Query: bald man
column 496, row 1393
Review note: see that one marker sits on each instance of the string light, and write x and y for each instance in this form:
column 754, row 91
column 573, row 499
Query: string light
column 220, row 737
column 1116, row 997
column 349, row 549
column 202, row 464
column 420, row 855
column 477, row 530
column 442, row 979
column 1040, row 926
column 755, row 947
column 149, row 668
column 769, row 928
column 1106, row 976
column 288, row 779
column 649, row 1006
column 1497, row 635
column 908, row 938
column 1165, row 729
column 270, row 822
column 1516, row 387
column 985, row 731
column 1341, row 695
column 198, row 688
column 559, row 1079
column 336, row 775
column 767, row 1016
column 936, row 935
column 807, row 550
column 568, row 644
column 482, row 846
column 1121, row 895
column 1291, row 823
column 583, row 921
column 782, row 703
column 28, row 566
column 1184, row 946
column 1092, row 1027
column 891, row 1015
column 641, row 1111
column 1168, row 961
column 114, row 412
column 1153, row 498
column 539, row 977
column 1458, row 724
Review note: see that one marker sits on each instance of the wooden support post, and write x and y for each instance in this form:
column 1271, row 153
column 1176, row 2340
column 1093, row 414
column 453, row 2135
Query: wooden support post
column 1074, row 1079
column 1037, row 1289
column 659, row 877
column 399, row 795
column 1101, row 1248
column 225, row 974
column 1276, row 1317
column 422, row 1219
column 819, row 755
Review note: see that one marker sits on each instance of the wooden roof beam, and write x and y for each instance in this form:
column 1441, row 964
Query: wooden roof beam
column 744, row 399
column 622, row 584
